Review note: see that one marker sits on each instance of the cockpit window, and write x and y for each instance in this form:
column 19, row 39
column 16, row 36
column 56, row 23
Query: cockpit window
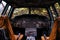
column 20, row 11
column 38, row 11
column 2, row 5
column 57, row 8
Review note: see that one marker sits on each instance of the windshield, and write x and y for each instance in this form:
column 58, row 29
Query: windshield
column 38, row 11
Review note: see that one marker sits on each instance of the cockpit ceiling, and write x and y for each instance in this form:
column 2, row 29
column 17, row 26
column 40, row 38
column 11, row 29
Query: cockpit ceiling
column 30, row 3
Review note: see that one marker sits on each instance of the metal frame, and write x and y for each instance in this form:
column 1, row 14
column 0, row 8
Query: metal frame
column 50, row 13
column 55, row 11
column 51, row 16
column 5, row 9
column 29, row 10
column 10, row 12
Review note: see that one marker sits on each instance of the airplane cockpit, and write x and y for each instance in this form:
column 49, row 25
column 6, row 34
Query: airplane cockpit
column 30, row 20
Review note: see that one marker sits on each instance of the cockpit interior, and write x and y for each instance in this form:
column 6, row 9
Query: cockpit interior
column 30, row 20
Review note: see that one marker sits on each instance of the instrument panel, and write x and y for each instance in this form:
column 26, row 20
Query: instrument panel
column 31, row 22
column 31, row 25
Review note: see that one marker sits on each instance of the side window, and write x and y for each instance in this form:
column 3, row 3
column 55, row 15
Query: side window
column 2, row 5
column 57, row 8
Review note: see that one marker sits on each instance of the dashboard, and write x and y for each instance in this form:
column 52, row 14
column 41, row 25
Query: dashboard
column 29, row 24
column 30, row 21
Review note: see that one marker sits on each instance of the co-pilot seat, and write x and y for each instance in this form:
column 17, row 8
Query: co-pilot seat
column 3, row 32
column 23, row 23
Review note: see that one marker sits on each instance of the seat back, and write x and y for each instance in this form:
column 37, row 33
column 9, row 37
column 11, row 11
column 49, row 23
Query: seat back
column 55, row 33
column 3, row 34
column 6, row 28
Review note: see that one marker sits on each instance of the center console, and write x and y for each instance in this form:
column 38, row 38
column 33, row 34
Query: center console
column 30, row 33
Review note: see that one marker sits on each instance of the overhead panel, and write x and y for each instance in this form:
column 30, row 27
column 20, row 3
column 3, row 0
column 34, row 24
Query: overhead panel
column 30, row 3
